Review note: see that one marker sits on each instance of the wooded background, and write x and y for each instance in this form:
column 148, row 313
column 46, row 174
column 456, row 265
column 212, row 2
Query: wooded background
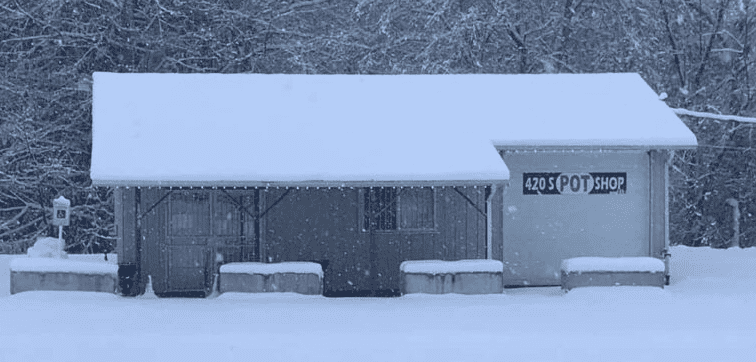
column 696, row 52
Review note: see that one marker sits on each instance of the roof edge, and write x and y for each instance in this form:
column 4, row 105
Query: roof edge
column 289, row 184
column 564, row 148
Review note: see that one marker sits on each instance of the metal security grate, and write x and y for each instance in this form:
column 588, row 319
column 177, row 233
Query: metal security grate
column 399, row 209
column 380, row 208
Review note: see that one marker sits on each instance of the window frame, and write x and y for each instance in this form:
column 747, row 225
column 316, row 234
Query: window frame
column 170, row 215
column 399, row 229
column 244, row 219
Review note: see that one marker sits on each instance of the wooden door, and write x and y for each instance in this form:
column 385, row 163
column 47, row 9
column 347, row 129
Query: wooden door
column 206, row 229
column 188, row 235
column 398, row 221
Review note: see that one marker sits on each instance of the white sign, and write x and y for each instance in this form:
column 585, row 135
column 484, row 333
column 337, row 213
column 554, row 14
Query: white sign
column 558, row 183
column 61, row 211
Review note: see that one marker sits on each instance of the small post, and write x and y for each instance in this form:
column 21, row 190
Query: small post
column 735, row 241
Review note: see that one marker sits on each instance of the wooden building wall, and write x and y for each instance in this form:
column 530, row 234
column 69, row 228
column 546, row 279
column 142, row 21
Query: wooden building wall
column 325, row 225
column 321, row 225
column 318, row 225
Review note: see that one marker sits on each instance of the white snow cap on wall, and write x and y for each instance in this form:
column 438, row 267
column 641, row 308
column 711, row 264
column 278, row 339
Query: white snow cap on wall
column 627, row 264
column 52, row 265
column 450, row 267
column 249, row 129
column 300, row 267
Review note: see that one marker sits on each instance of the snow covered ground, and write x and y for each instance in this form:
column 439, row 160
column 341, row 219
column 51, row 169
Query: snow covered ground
column 708, row 313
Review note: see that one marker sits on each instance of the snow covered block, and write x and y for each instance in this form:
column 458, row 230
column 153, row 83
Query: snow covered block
column 32, row 274
column 462, row 276
column 288, row 277
column 597, row 271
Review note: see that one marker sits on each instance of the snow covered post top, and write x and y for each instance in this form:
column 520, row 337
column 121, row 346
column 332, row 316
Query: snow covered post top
column 599, row 264
column 451, row 267
column 47, row 248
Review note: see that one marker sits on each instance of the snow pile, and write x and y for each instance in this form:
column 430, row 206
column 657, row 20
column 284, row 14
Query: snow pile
column 48, row 248
column 450, row 267
column 598, row 264
column 299, row 267
column 50, row 265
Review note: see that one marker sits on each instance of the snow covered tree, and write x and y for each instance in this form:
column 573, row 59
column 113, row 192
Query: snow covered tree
column 698, row 52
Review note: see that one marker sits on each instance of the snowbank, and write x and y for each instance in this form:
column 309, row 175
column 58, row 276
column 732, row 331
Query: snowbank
column 300, row 267
column 598, row 264
column 50, row 265
column 267, row 297
column 706, row 314
column 451, row 267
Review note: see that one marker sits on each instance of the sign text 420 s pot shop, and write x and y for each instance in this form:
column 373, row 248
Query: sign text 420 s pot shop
column 559, row 183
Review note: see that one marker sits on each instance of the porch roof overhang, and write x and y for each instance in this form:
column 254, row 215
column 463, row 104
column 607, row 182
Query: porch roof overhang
column 226, row 184
column 252, row 130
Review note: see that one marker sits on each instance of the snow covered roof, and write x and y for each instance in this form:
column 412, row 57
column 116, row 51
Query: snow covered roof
column 617, row 110
column 329, row 130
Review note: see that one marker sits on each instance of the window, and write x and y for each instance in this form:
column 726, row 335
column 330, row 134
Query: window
column 227, row 215
column 416, row 208
column 398, row 209
column 190, row 213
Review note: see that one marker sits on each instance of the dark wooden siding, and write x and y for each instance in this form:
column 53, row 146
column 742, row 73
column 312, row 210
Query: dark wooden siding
column 128, row 251
column 460, row 233
column 497, row 221
column 118, row 223
column 462, row 227
column 327, row 225
column 318, row 225
column 182, row 256
column 322, row 225
column 153, row 237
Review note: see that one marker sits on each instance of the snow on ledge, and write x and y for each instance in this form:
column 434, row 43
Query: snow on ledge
column 50, row 265
column 449, row 267
column 300, row 267
column 630, row 264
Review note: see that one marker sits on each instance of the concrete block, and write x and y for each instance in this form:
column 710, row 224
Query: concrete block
column 302, row 283
column 458, row 282
column 22, row 281
column 572, row 280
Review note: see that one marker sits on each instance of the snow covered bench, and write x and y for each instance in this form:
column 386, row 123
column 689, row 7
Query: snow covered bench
column 30, row 274
column 293, row 277
column 596, row 271
column 462, row 276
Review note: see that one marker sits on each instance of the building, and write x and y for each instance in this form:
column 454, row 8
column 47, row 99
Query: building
column 360, row 173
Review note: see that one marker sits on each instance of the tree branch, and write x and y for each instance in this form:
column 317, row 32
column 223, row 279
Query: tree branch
column 721, row 117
